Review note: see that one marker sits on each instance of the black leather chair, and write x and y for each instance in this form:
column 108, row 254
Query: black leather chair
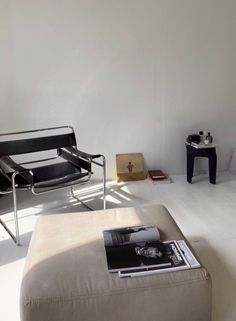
column 65, row 166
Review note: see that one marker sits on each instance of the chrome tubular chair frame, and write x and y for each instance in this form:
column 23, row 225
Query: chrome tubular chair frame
column 75, row 167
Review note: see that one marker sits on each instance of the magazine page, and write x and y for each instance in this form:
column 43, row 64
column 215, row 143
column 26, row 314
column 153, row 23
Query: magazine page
column 131, row 234
column 180, row 258
column 133, row 248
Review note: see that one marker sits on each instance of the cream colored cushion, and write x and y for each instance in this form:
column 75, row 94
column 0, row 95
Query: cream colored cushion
column 66, row 276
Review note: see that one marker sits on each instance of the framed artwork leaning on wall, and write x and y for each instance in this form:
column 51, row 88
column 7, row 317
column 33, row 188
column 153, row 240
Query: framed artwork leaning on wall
column 130, row 167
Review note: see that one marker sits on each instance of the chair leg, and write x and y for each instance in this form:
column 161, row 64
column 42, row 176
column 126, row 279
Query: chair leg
column 103, row 165
column 78, row 199
column 8, row 231
column 17, row 237
column 104, row 182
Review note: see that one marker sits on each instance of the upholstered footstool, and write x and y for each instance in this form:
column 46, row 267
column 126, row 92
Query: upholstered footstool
column 66, row 276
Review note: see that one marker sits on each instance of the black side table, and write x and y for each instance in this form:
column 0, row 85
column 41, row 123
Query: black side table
column 209, row 152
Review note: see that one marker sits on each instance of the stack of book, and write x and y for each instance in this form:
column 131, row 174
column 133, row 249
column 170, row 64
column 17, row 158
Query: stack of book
column 158, row 177
column 137, row 250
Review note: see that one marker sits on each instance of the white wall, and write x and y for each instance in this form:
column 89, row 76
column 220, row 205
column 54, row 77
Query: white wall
column 129, row 75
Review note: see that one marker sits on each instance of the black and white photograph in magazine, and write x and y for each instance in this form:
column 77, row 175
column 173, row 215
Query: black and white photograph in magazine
column 134, row 248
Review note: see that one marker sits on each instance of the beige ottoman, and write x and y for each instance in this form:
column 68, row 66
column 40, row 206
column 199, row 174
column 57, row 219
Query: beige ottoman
column 66, row 277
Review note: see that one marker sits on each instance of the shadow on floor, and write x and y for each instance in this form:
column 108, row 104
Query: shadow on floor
column 223, row 280
column 10, row 252
column 30, row 206
column 62, row 201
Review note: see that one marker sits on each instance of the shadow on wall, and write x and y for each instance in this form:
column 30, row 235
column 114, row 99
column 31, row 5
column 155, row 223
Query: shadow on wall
column 232, row 166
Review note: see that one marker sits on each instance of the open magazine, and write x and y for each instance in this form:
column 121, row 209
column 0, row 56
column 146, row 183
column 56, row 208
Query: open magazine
column 137, row 250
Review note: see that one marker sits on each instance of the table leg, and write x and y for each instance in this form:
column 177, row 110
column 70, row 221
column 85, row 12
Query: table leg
column 212, row 168
column 190, row 165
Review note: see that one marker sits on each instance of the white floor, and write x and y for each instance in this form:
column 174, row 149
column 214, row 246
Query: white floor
column 205, row 213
